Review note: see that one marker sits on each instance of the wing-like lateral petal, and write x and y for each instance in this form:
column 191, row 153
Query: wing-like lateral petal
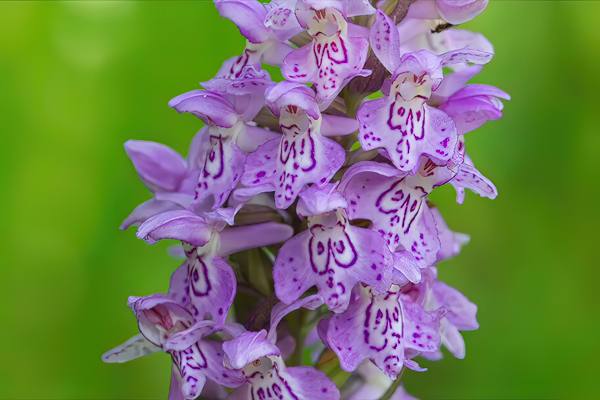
column 135, row 347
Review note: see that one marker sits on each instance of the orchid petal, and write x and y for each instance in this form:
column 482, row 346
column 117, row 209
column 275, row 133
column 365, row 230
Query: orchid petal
column 310, row 383
column 281, row 19
column 192, row 367
column 421, row 329
column 221, row 165
column 460, row 11
column 253, row 137
column 177, row 224
column 452, row 340
column 248, row 15
column 451, row 242
column 136, row 347
column 280, row 310
column 240, row 238
column 159, row 166
column 460, row 312
column 211, row 107
column 385, row 41
column 316, row 200
column 159, row 316
column 371, row 327
column 188, row 337
column 290, row 274
column 334, row 125
column 146, row 210
column 286, row 94
column 247, row 347
column 210, row 285
column 474, row 105
column 469, row 177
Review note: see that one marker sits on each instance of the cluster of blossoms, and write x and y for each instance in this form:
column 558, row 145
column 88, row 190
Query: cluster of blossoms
column 309, row 244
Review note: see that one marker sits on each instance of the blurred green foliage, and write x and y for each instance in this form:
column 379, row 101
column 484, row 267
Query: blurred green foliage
column 79, row 78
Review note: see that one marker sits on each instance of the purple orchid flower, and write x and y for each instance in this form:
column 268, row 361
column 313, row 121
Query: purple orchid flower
column 302, row 155
column 473, row 105
column 454, row 11
column 459, row 313
column 367, row 240
column 224, row 142
column 388, row 329
column 337, row 52
column 170, row 177
column 205, row 282
column 395, row 202
column 402, row 123
column 260, row 360
column 331, row 253
column 166, row 324
column 266, row 27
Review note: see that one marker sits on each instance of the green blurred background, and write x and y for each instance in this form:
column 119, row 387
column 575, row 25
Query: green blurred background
column 77, row 79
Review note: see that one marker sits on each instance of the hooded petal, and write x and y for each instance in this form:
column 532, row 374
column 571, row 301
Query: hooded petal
column 239, row 238
column 181, row 225
column 286, row 94
column 159, row 166
column 281, row 19
column 316, row 200
column 243, row 88
column 211, row 107
column 136, row 347
column 248, row 15
column 159, row 317
column 247, row 347
column 300, row 65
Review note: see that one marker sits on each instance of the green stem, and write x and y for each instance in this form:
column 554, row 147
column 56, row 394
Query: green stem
column 392, row 389
column 300, row 336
